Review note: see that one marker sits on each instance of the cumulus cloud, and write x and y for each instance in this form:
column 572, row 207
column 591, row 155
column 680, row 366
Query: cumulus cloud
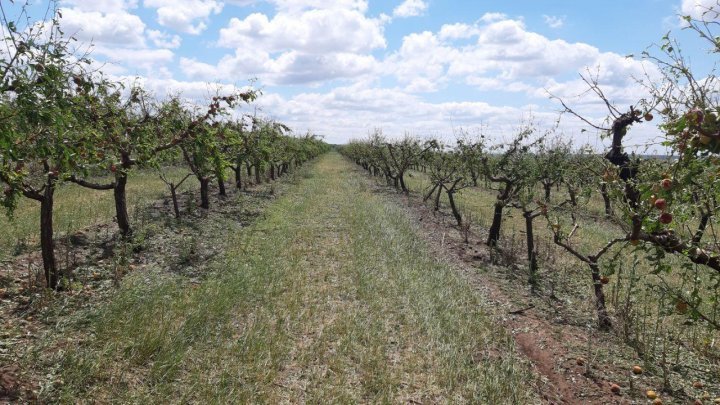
column 554, row 21
column 183, row 15
column 119, row 28
column 163, row 39
column 307, row 41
column 103, row 6
column 313, row 31
column 410, row 8
column 505, row 56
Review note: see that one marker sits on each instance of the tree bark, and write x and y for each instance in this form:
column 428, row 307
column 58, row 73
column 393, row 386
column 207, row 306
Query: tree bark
column 494, row 234
column 548, row 188
column 221, row 185
column 238, row 176
column 403, row 187
column 204, row 192
column 46, row 236
column 258, row 177
column 532, row 254
column 606, row 199
column 176, row 207
column 604, row 322
column 453, row 207
column 121, row 211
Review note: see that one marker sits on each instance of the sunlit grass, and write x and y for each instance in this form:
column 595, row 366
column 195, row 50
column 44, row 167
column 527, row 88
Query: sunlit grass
column 77, row 207
column 636, row 294
column 331, row 298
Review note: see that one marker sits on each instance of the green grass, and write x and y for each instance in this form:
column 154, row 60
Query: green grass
column 645, row 315
column 331, row 298
column 77, row 207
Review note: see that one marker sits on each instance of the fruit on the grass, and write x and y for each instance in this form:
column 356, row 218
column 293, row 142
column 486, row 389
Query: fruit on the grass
column 698, row 384
column 666, row 184
column 657, row 401
column 615, row 388
column 661, row 204
column 580, row 361
column 651, row 394
column 605, row 279
column 681, row 306
column 637, row 370
column 666, row 218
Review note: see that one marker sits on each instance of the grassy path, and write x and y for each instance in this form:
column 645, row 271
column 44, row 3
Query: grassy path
column 331, row 298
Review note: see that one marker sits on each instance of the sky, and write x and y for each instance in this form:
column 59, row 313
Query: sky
column 344, row 68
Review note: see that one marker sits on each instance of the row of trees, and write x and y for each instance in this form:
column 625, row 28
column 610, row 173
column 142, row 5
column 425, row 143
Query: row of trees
column 660, row 206
column 63, row 122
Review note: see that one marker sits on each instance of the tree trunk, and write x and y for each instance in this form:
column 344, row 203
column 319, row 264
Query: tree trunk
column 248, row 168
column 221, row 185
column 494, row 235
column 606, row 199
column 46, row 236
column 437, row 199
column 403, row 187
column 204, row 192
column 238, row 177
column 176, row 208
column 272, row 171
column 121, row 211
column 532, row 254
column 603, row 317
column 547, row 187
column 258, row 178
column 573, row 196
column 455, row 211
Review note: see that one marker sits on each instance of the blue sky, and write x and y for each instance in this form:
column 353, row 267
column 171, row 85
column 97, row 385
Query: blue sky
column 428, row 67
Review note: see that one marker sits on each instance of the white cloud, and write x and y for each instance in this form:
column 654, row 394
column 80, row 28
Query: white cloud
column 163, row 39
column 506, row 56
column 118, row 28
column 306, row 41
column 410, row 8
column 313, row 31
column 104, row 6
column 288, row 68
column 492, row 17
column 181, row 15
column 707, row 9
column 147, row 61
column 554, row 21
column 458, row 31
